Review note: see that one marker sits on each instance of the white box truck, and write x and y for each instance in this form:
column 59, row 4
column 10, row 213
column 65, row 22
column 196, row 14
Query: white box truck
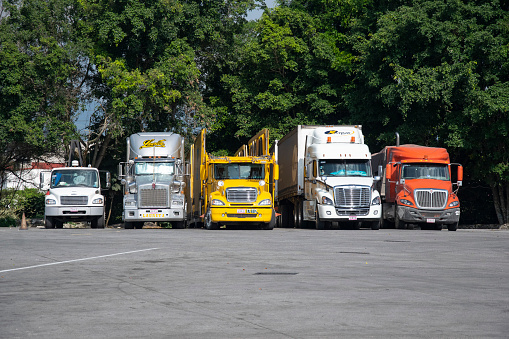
column 326, row 177
column 73, row 193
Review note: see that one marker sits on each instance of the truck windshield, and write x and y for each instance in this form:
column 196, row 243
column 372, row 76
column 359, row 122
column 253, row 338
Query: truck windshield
column 425, row 171
column 238, row 171
column 344, row 168
column 151, row 168
column 74, row 178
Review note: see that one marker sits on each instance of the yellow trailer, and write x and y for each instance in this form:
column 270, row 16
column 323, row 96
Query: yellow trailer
column 232, row 190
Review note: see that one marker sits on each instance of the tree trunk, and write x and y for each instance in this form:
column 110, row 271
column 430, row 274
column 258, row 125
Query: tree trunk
column 99, row 158
column 496, row 202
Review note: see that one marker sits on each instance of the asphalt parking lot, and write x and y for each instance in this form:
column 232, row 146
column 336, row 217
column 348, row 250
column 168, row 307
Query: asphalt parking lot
column 285, row 283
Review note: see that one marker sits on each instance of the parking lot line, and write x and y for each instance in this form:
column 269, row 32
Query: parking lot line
column 75, row 260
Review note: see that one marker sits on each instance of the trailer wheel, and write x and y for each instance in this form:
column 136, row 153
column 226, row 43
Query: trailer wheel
column 297, row 214
column 208, row 222
column 49, row 222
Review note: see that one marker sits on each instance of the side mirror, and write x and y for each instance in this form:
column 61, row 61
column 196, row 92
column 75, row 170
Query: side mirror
column 376, row 178
column 108, row 180
column 42, row 184
column 380, row 170
column 276, row 171
column 460, row 174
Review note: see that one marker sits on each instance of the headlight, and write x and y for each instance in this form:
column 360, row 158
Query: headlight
column 217, row 202
column 51, row 202
column 406, row 202
column 326, row 201
column 130, row 203
column 97, row 201
column 265, row 202
column 454, row 204
column 177, row 202
column 375, row 201
column 261, row 183
column 220, row 183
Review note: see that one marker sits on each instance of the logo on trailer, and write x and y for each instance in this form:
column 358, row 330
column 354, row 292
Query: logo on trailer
column 339, row 132
column 151, row 143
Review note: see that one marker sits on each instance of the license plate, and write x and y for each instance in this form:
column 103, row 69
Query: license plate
column 243, row 211
column 152, row 215
column 352, row 218
column 430, row 221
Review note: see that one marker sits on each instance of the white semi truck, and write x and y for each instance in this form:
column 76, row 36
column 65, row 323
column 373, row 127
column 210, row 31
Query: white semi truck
column 153, row 180
column 73, row 193
column 326, row 177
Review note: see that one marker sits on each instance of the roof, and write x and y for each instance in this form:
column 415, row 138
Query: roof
column 417, row 153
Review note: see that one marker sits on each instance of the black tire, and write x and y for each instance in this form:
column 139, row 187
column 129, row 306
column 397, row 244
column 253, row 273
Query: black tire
column 59, row 224
column 398, row 223
column 49, row 222
column 375, row 225
column 98, row 222
column 270, row 225
column 297, row 214
column 139, row 225
column 452, row 227
column 208, row 222
column 128, row 225
column 178, row 224
column 319, row 224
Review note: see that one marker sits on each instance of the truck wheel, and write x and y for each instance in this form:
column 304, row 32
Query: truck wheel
column 320, row 224
column 98, row 222
column 452, row 227
column 49, row 222
column 398, row 223
column 59, row 224
column 270, row 225
column 139, row 225
column 128, row 225
column 375, row 225
column 208, row 222
column 178, row 224
column 297, row 215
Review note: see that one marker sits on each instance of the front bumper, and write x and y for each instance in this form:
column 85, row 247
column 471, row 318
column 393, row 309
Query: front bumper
column 415, row 215
column 332, row 213
column 234, row 215
column 74, row 212
column 154, row 214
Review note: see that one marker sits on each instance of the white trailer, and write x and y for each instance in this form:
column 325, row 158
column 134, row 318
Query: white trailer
column 326, row 177
column 153, row 180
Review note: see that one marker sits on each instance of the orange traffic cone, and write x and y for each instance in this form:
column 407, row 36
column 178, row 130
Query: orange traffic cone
column 23, row 223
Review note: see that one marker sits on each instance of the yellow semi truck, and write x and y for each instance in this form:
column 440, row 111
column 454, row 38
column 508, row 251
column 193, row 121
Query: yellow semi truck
column 232, row 190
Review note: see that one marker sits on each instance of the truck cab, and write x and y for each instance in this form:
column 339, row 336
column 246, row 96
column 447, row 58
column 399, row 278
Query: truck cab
column 73, row 194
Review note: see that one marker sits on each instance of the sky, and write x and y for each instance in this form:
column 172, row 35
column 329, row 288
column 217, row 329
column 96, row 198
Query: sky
column 253, row 15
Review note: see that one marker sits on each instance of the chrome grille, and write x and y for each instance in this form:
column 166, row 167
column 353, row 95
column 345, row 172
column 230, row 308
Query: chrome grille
column 153, row 197
column 74, row 200
column 351, row 196
column 241, row 194
column 431, row 198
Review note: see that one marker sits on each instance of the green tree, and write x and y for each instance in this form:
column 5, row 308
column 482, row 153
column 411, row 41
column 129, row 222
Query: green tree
column 42, row 76
column 436, row 71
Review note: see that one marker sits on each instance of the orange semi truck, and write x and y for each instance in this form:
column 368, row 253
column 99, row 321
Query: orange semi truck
column 416, row 186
